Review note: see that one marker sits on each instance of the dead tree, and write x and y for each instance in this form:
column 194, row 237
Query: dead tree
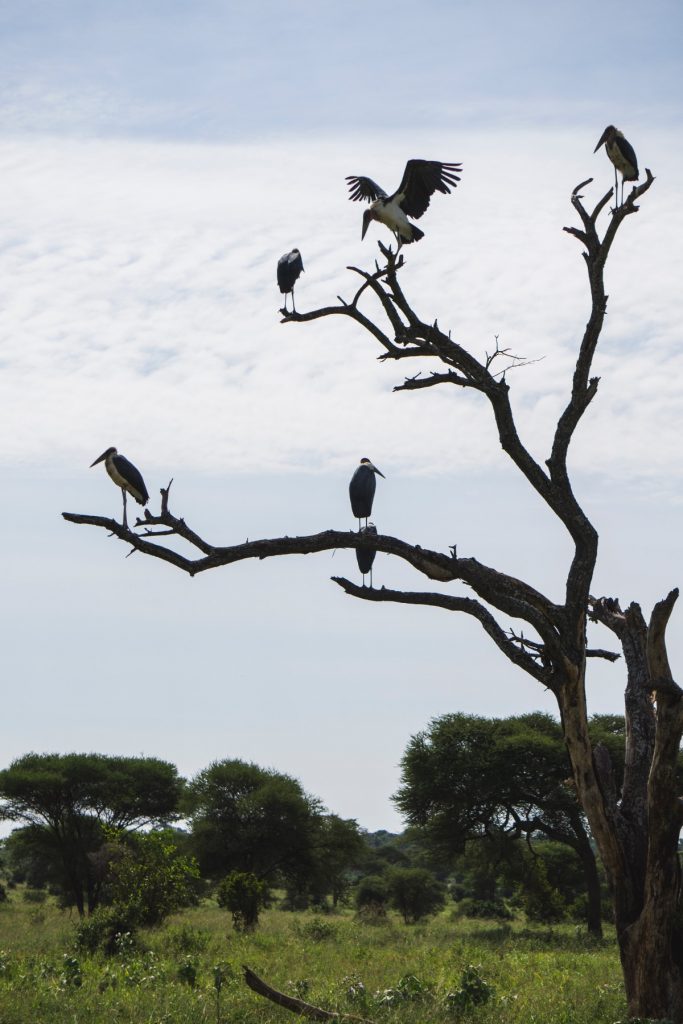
column 637, row 829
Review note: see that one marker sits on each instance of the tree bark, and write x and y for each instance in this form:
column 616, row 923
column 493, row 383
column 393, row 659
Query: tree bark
column 585, row 853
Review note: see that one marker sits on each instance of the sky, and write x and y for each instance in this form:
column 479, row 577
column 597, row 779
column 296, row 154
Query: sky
column 157, row 158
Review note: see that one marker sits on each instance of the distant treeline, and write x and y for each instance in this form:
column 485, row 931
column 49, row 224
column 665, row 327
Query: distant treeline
column 491, row 811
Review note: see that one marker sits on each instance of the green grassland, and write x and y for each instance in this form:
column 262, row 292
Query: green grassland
column 388, row 972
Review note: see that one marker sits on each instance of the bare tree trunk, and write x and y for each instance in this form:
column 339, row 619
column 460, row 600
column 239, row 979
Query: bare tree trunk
column 642, row 863
column 585, row 853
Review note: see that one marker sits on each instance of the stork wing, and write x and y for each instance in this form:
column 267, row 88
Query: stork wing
column 628, row 152
column 289, row 267
column 421, row 179
column 133, row 477
column 364, row 188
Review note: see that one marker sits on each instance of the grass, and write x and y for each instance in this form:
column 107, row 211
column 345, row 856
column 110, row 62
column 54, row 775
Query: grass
column 387, row 972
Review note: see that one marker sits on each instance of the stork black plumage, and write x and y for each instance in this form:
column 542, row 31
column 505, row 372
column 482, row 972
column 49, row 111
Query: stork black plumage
column 621, row 153
column 366, row 556
column 362, row 490
column 421, row 179
column 289, row 268
column 125, row 475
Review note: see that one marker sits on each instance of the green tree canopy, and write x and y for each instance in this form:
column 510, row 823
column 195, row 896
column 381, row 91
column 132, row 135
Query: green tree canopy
column 372, row 894
column 467, row 777
column 246, row 818
column 338, row 848
column 66, row 799
column 415, row 893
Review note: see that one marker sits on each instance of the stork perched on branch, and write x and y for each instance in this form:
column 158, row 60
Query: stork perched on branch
column 362, row 490
column 125, row 475
column 289, row 267
column 421, row 179
column 622, row 155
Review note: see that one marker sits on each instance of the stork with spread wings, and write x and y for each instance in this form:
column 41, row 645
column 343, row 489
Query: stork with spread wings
column 421, row 179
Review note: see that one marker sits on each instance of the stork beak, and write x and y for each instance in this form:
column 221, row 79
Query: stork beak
column 367, row 217
column 101, row 459
column 379, row 472
column 603, row 140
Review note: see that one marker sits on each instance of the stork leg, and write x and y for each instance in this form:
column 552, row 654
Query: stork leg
column 293, row 306
column 125, row 522
column 370, row 578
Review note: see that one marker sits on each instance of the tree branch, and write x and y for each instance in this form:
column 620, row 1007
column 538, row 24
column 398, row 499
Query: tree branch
column 665, row 808
column 506, row 593
column 259, row 986
column 469, row 606
column 661, row 679
column 592, row 652
column 417, row 383
column 343, row 310
column 584, row 389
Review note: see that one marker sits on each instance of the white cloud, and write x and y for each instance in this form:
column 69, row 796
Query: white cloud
column 141, row 306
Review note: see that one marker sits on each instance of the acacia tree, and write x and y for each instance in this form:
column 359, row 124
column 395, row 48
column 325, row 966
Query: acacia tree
column 636, row 829
column 252, row 820
column 66, row 800
column 471, row 778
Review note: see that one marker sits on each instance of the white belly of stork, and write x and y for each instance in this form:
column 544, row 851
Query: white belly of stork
column 393, row 217
column 622, row 164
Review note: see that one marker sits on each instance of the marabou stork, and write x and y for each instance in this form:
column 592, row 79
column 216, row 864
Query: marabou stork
column 362, row 490
column 289, row 267
column 366, row 556
column 125, row 475
column 421, row 179
column 621, row 153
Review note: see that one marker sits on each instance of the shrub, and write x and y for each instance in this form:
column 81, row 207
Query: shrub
column 473, row 991
column 415, row 893
column 71, row 976
column 187, row 971
column 244, row 895
column 317, row 930
column 408, row 989
column 102, row 930
column 495, row 908
column 151, row 878
column 372, row 895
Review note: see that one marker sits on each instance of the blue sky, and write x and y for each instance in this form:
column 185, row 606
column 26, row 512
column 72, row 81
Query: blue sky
column 217, row 71
column 156, row 160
